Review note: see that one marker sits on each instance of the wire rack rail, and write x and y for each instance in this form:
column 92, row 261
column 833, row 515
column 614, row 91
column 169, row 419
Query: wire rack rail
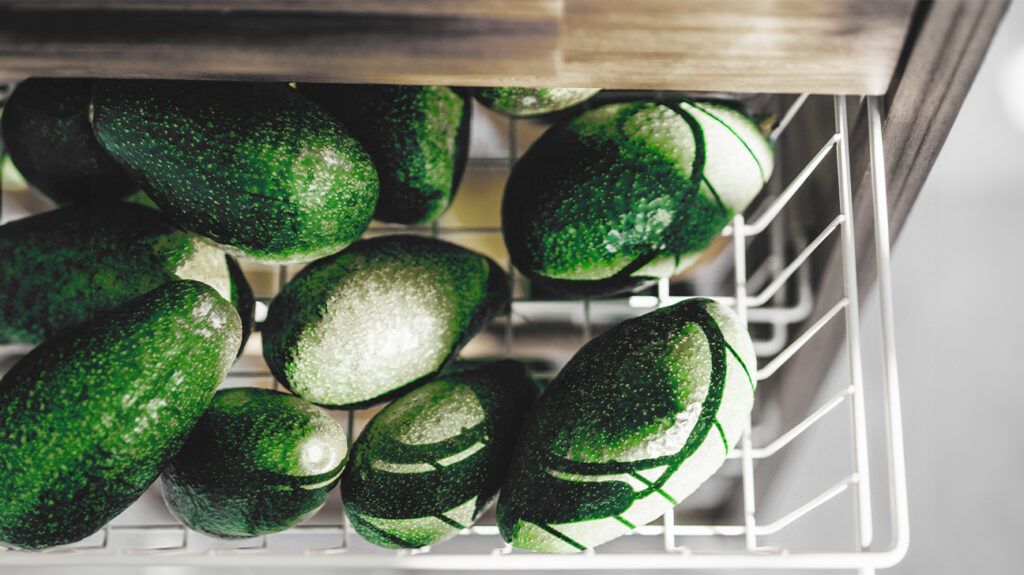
column 776, row 297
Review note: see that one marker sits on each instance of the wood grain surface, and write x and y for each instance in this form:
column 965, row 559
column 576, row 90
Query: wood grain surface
column 785, row 46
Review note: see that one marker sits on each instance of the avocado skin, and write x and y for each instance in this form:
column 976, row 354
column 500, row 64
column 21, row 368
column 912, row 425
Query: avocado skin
column 46, row 129
column 461, row 289
column 88, row 419
column 530, row 102
column 256, row 168
column 243, row 299
column 64, row 267
column 418, row 137
column 503, row 391
column 604, row 194
column 245, row 469
column 613, row 411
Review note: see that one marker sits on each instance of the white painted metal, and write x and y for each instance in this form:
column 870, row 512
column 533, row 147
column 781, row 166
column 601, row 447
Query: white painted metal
column 773, row 306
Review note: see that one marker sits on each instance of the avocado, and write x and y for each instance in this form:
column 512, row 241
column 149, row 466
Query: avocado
column 88, row 419
column 634, row 423
column 625, row 194
column 243, row 299
column 47, row 132
column 418, row 137
column 256, row 168
column 529, row 102
column 428, row 464
column 259, row 461
column 61, row 268
column 384, row 315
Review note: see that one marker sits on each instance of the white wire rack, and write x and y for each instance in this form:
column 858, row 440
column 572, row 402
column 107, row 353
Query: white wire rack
column 774, row 298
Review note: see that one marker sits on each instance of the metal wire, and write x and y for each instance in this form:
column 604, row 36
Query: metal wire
column 777, row 295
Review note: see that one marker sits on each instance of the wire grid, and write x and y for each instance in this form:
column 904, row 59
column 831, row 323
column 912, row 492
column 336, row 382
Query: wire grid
column 758, row 297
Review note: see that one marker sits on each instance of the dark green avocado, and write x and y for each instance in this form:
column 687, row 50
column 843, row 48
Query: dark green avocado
column 385, row 314
column 625, row 194
column 529, row 102
column 258, row 462
column 632, row 425
column 243, row 299
column 61, row 268
column 418, row 137
column 256, row 168
column 428, row 464
column 88, row 419
column 46, row 130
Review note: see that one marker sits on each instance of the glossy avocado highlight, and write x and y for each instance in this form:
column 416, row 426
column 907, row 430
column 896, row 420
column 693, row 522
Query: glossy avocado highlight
column 259, row 461
column 430, row 462
column 255, row 167
column 418, row 137
column 530, row 102
column 628, row 193
column 89, row 418
column 380, row 317
column 47, row 131
column 637, row 420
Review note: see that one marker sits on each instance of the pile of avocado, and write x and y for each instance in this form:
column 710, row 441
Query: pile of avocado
column 137, row 312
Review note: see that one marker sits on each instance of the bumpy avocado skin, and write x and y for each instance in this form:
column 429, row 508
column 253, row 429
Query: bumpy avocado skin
column 46, row 130
column 529, row 102
column 431, row 461
column 418, row 137
column 639, row 418
column 384, row 315
column 625, row 194
column 259, row 461
column 64, row 267
column 243, row 299
column 88, row 419
column 256, row 168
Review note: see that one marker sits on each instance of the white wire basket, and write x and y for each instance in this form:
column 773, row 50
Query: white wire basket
column 773, row 299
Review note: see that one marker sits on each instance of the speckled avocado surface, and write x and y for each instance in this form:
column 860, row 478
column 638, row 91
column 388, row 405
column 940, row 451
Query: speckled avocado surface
column 527, row 102
column 625, row 194
column 46, row 131
column 428, row 464
column 259, row 461
column 635, row 422
column 88, row 419
column 257, row 168
column 381, row 316
column 61, row 268
column 418, row 137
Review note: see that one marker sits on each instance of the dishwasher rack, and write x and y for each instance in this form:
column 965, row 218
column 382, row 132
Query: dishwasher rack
column 774, row 298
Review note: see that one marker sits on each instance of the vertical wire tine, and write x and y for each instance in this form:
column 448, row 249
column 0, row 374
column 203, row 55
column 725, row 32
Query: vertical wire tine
column 863, row 492
column 350, row 427
column 747, row 464
column 890, row 377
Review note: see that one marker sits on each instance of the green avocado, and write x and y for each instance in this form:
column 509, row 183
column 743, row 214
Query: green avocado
column 243, row 299
column 256, row 168
column 47, row 132
column 428, row 464
column 258, row 462
column 88, row 419
column 61, row 268
column 528, row 102
column 632, row 425
column 418, row 137
column 625, row 194
column 385, row 314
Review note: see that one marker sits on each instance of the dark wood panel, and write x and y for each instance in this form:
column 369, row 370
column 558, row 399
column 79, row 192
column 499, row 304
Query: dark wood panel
column 835, row 46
